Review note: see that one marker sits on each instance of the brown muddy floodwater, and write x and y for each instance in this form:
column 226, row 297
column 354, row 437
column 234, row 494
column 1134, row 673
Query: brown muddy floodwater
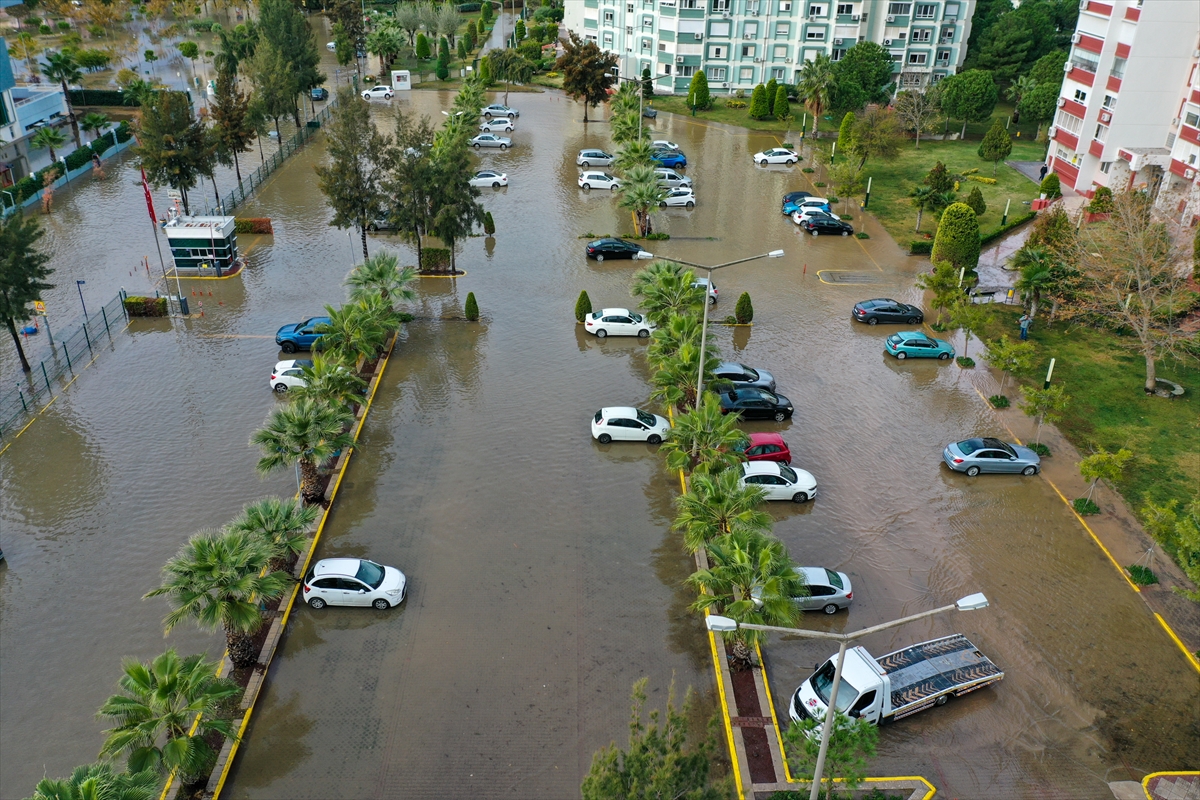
column 543, row 578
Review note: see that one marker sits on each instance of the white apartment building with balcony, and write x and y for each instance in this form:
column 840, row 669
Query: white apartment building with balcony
column 1129, row 111
column 741, row 43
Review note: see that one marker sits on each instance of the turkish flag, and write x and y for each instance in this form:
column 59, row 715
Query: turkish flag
column 149, row 200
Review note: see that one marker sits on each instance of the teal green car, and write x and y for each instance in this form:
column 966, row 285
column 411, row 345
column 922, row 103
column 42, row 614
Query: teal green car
column 915, row 344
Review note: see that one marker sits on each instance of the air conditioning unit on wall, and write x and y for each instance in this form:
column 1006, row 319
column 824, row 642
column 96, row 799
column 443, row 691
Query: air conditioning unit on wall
column 1062, row 101
column 1050, row 133
column 723, row 86
column 1067, row 67
column 835, row 41
column 890, row 18
column 1075, row 37
column 756, row 61
column 679, row 60
column 886, row 43
column 1189, row 174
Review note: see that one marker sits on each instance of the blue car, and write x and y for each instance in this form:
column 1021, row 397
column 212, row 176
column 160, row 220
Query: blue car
column 792, row 201
column 669, row 158
column 299, row 335
column 915, row 344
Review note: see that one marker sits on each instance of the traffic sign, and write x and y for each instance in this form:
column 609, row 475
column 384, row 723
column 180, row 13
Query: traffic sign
column 39, row 307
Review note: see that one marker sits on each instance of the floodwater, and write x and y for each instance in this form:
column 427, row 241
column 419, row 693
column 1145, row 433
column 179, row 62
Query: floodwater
column 543, row 578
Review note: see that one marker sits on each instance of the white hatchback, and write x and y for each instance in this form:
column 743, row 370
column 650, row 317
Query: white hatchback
column 777, row 155
column 663, row 144
column 377, row 92
column 598, row 180
column 680, row 197
column 712, row 289
column 289, row 374
column 805, row 213
column 353, row 582
column 617, row 322
column 622, row 423
column 489, row 177
column 502, row 124
column 670, row 179
column 779, row 481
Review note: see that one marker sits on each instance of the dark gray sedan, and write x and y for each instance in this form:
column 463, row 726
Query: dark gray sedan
column 974, row 456
column 743, row 377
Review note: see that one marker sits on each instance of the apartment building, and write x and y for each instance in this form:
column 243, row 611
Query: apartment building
column 741, row 43
column 1129, row 111
column 23, row 109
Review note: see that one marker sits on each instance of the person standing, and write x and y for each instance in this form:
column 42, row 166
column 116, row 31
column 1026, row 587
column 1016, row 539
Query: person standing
column 1042, row 174
column 1024, row 321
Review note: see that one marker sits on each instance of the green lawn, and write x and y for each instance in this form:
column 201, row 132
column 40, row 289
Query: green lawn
column 1109, row 410
column 677, row 104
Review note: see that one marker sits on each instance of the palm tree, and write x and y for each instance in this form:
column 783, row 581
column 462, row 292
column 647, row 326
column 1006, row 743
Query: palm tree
column 1018, row 89
column 675, row 380
column 64, row 69
column 752, row 579
column 218, row 579
column 1036, row 264
column 923, row 197
column 306, row 433
column 48, row 137
column 386, row 42
column 666, row 339
column 381, row 274
column 666, row 290
column 817, row 82
column 329, row 380
column 641, row 194
column 634, row 154
column 155, row 710
column 351, row 333
column 704, row 440
column 282, row 524
column 93, row 123
column 99, row 782
column 716, row 505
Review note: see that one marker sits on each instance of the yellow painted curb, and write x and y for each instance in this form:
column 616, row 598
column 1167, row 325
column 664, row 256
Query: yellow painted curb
column 237, row 274
column 1146, row 780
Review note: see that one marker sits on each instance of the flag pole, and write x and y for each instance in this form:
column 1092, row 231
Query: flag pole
column 158, row 246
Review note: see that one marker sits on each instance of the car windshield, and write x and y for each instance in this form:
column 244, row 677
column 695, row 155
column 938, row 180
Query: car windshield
column 599, row 314
column 834, row 579
column 370, row 573
column 599, row 416
column 765, row 395
column 822, row 682
column 968, row 446
column 788, row 473
column 751, row 373
column 646, row 419
column 999, row 445
column 740, row 447
column 638, row 318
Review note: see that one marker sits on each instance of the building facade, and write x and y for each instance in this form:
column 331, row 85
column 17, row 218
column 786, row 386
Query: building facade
column 23, row 109
column 1129, row 111
column 741, row 43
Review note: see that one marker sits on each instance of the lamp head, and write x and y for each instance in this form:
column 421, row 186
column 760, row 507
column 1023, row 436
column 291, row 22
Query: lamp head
column 775, row 254
column 972, row 602
column 720, row 624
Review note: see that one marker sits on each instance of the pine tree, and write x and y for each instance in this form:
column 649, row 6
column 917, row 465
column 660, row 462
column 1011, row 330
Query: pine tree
column 772, row 90
column 583, row 306
column 485, row 13
column 698, row 96
column 939, row 179
column 23, row 273
column 422, row 47
column 472, row 35
column 462, row 48
column 471, row 308
column 976, row 202
column 489, row 225
column 781, row 109
column 845, row 142
column 758, row 103
column 957, row 238
column 996, row 145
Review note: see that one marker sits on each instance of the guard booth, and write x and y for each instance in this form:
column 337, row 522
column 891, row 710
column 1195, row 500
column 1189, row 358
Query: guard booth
column 203, row 247
column 401, row 80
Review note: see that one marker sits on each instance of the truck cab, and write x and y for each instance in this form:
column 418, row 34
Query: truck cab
column 860, row 693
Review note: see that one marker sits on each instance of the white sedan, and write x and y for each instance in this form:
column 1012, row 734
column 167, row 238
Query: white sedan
column 489, row 177
column 628, row 425
column 289, row 374
column 353, row 582
column 376, row 92
column 498, row 110
column 599, row 180
column 805, row 213
column 663, row 144
column 777, row 155
column 680, row 197
column 712, row 289
column 617, row 322
column 502, row 124
column 490, row 140
column 779, row 481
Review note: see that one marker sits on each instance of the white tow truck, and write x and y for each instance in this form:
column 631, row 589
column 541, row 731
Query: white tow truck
column 897, row 685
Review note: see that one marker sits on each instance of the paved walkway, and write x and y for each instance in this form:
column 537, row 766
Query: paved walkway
column 1030, row 169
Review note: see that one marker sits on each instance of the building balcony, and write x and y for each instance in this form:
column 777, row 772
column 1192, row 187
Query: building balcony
column 1133, row 14
column 1100, row 9
column 1182, row 170
column 1113, row 84
column 1066, row 138
column 1190, row 134
column 1195, row 98
column 1073, row 108
column 1096, row 148
column 37, row 107
column 1090, row 43
column 1068, row 172
column 1081, row 75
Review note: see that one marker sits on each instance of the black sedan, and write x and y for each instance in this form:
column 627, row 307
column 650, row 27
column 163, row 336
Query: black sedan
column 320, row 93
column 614, row 248
column 756, row 404
column 884, row 310
column 823, row 224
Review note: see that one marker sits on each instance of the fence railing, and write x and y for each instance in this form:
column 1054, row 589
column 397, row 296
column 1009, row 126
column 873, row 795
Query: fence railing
column 69, row 354
column 286, row 148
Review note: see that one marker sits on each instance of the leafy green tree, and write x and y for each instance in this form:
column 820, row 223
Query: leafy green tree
column 703, row 441
column 641, row 193
column 448, row 21
column 957, row 238
column 758, row 103
column 1040, row 104
column 744, row 311
column 352, row 179
column 976, row 202
column 408, row 179
column 423, row 51
column 232, row 125
column 751, row 579
column 918, row 111
column 939, row 179
column 716, row 504
column 99, row 782
column 190, row 50
column 862, row 77
column 306, row 433
column 275, row 85
column 387, row 42
column 511, row 67
column 996, row 145
column 349, row 31
column 583, row 306
column 943, row 282
column 486, row 13
column 922, row 199
column 1010, row 357
column 1048, row 405
column 658, row 762
column 665, row 289
column 970, row 96
column 1048, row 70
column 675, row 380
column 587, row 71
column 1102, row 201
column 781, row 109
column 63, row 69
column 48, row 138
column 1179, row 535
column 816, row 87
column 454, row 209
column 1104, row 466
column 172, row 144
column 1051, row 186
column 845, row 140
column 971, row 318
column 23, row 273
column 381, row 274
column 772, row 87
column 282, row 524
column 1022, row 35
column 93, row 122
column 519, row 31
column 1021, row 86
column 154, row 713
column 877, row 134
column 851, row 743
column 698, row 95
column 217, row 580
column 1035, row 264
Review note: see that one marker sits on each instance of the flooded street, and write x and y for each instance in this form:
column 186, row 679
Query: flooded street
column 543, row 578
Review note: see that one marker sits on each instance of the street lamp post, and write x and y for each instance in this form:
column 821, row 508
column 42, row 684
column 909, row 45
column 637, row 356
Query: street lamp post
column 616, row 71
column 79, row 286
column 704, row 323
column 971, row 602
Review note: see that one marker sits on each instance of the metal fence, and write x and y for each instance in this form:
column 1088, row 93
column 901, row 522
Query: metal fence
column 68, row 355
column 286, row 148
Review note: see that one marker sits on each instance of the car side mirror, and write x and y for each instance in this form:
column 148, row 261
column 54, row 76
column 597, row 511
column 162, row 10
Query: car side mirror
column 362, row 591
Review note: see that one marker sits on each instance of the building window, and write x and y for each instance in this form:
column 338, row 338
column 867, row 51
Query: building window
column 1080, row 96
column 843, row 10
column 1068, row 122
column 608, row 40
column 911, row 80
column 752, row 7
column 1084, row 60
column 686, row 72
column 1118, row 68
column 591, row 37
column 648, row 23
column 747, row 52
column 780, row 53
column 922, row 35
column 1110, row 102
column 1105, row 166
column 750, row 31
column 646, row 45
column 925, row 11
column 816, row 11
column 785, row 5
column 720, row 6
column 716, row 52
column 629, row 30
column 1101, row 133
column 662, row 48
column 608, row 20
column 689, row 3
column 777, row 74
column 837, row 55
column 1189, row 118
column 1062, row 153
column 899, row 9
column 629, row 7
column 918, row 59
column 745, row 75
column 715, row 74
column 951, row 11
column 943, row 57
column 813, row 35
column 782, row 31
column 665, row 69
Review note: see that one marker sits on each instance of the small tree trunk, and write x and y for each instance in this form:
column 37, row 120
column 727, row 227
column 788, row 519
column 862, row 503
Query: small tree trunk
column 963, row 135
column 362, row 232
column 241, row 649
column 237, row 168
column 920, row 213
column 1151, row 383
column 12, row 328
column 310, row 486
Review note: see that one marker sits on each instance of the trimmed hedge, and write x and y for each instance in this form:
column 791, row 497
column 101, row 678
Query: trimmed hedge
column 101, row 97
column 435, row 259
column 124, row 132
column 137, row 306
column 253, row 225
column 957, row 238
column 920, row 247
column 468, row 8
column 1016, row 222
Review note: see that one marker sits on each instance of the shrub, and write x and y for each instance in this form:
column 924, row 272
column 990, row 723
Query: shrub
column 253, row 225
column 819, row 185
column 698, row 95
column 918, row 247
column 862, row 235
column 845, row 140
column 435, row 259
column 1051, row 186
column 808, row 170
column 489, row 224
column 758, row 104
column 46, row 30
column 470, row 8
column 734, row 104
column 833, row 198
column 957, row 238
column 970, row 171
column 744, row 311
column 966, row 362
column 999, row 401
column 78, row 157
column 101, row 144
column 1041, row 449
column 1084, row 507
column 423, row 52
column 63, row 25
column 137, row 306
column 1102, row 202
column 471, row 308
column 980, row 179
column 976, row 202
column 1142, row 576
column 583, row 307
column 781, row 110
column 772, row 88
column 124, row 134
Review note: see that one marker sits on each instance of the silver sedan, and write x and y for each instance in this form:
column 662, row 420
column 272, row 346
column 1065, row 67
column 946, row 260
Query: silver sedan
column 973, row 456
column 490, row 140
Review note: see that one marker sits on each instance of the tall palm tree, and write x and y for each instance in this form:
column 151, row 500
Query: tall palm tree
column 704, row 440
column 817, row 82
column 666, row 289
column 93, row 123
column 751, row 579
column 282, row 524
column 100, row 782
column 155, row 710
column 634, row 154
column 1018, row 89
column 1036, row 264
column 675, row 380
column 381, row 274
column 641, row 194
column 666, row 339
column 716, row 505
column 331, row 381
column 218, row 579
column 64, row 69
column 351, row 333
column 305, row 433
column 923, row 197
column 48, row 137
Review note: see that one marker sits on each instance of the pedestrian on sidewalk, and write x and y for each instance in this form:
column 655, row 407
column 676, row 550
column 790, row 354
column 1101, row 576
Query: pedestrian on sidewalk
column 1025, row 320
column 1042, row 174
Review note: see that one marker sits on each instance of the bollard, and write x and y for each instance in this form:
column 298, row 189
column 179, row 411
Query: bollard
column 68, row 355
column 805, row 272
column 105, row 317
column 21, row 394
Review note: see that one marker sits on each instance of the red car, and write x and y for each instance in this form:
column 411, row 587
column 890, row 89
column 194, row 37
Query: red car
column 766, row 447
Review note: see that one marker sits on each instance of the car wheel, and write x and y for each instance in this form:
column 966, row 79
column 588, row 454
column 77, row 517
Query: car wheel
column 288, row 347
column 487, row 114
column 872, row 321
column 790, row 161
column 814, row 233
column 690, row 204
column 585, row 164
column 477, row 145
column 972, row 471
column 495, row 184
column 780, row 416
column 800, row 497
column 941, row 701
column 381, row 604
column 902, row 355
column 643, row 334
column 588, row 187
column 280, row 388
column 614, row 187
column 1030, row 470
column 830, row 609
column 601, row 334
column 503, row 147
column 662, row 204
column 604, row 438
column 372, row 227
column 845, row 233
column 654, row 438
column 944, row 357
column 316, row 603
column 600, row 256
column 913, row 320
column 712, row 301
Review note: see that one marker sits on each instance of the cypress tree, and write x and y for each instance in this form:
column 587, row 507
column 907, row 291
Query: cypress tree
column 422, row 47
column 957, row 238
column 647, row 84
column 976, row 202
column 1052, row 186
column 444, row 50
column 698, row 96
column 519, row 36
column 996, row 145
column 583, row 306
column 845, row 140
column 772, row 90
column 781, row 110
column 485, row 13
column 758, row 103
column 462, row 48
column 489, row 225
column 744, row 312
column 485, row 70
column 443, row 66
column 472, row 35
column 471, row 309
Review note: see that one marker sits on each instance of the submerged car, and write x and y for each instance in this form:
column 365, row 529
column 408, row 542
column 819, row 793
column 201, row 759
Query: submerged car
column 300, row 335
column 673, row 159
column 791, row 201
column 679, row 197
column 621, row 423
column 501, row 124
column 490, row 140
column 489, row 177
column 617, row 322
column 289, row 374
column 765, row 447
column 353, row 582
column 779, row 481
column 498, row 110
column 598, row 180
column 974, row 456
column 915, row 344
column 751, row 403
column 376, row 92
column 743, row 377
column 823, row 223
column 670, row 179
column 601, row 249
column 594, row 158
column 883, row 309
column 828, row 591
